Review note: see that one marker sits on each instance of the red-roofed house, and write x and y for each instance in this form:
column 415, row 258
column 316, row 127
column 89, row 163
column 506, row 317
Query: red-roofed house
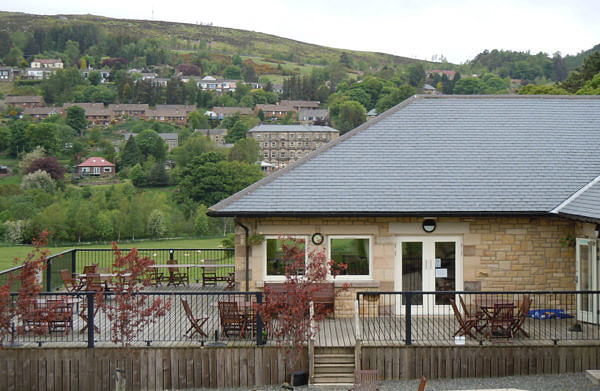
column 449, row 74
column 97, row 166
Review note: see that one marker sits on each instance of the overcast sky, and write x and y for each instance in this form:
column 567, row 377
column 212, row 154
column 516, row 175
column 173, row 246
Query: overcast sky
column 457, row 29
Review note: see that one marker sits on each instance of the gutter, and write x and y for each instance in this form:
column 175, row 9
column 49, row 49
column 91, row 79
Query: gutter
column 247, row 253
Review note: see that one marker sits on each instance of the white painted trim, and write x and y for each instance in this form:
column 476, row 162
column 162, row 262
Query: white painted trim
column 267, row 278
column 367, row 277
column 575, row 195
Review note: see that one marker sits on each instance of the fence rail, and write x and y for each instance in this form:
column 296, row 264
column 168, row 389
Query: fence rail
column 425, row 317
column 79, row 319
column 75, row 259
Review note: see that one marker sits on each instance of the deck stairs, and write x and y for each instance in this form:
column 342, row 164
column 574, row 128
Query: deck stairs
column 333, row 366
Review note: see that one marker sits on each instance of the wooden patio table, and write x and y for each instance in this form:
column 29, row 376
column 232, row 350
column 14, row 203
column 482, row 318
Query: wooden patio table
column 188, row 266
column 485, row 306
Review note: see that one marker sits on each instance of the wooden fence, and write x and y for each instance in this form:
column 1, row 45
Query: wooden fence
column 433, row 362
column 146, row 368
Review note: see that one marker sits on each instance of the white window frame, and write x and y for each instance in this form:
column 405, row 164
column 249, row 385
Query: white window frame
column 267, row 278
column 366, row 277
column 107, row 169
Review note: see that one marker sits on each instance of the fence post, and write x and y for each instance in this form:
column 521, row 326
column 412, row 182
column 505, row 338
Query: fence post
column 171, row 254
column 74, row 262
column 48, row 275
column 90, row 316
column 408, row 310
column 259, row 323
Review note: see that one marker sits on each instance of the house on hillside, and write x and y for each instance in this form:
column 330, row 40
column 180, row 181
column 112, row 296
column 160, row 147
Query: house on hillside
column 46, row 63
column 216, row 135
column 449, row 74
column 7, row 74
column 128, row 110
column 25, row 101
column 96, row 166
column 301, row 104
column 41, row 113
column 210, row 83
column 171, row 116
column 95, row 113
column 272, row 111
column 440, row 193
column 313, row 116
column 281, row 145
column 41, row 69
column 223, row 112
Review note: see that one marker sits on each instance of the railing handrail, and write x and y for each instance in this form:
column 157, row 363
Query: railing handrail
column 495, row 292
column 158, row 249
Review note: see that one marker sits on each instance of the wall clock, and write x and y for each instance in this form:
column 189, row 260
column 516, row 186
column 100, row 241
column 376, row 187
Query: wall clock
column 317, row 238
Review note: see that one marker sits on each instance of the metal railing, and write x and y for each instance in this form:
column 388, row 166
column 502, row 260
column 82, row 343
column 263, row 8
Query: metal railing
column 75, row 259
column 425, row 317
column 88, row 324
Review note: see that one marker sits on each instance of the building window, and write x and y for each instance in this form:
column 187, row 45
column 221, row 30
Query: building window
column 291, row 154
column 107, row 169
column 283, row 144
column 353, row 251
column 266, row 155
column 291, row 135
column 292, row 144
column 282, row 154
column 306, row 144
column 273, row 144
column 275, row 261
column 273, row 155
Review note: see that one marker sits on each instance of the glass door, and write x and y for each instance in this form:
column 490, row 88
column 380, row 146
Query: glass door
column 587, row 280
column 429, row 264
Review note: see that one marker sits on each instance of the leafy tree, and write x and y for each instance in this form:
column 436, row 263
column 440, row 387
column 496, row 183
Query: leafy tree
column 415, row 74
column 493, row 84
column 592, row 87
column 158, row 175
column 14, row 57
column 137, row 176
column 44, row 135
column 71, row 52
column 39, row 180
column 249, row 74
column 194, row 146
column 198, row 120
column 578, row 78
column 245, row 150
column 468, row 86
column 236, row 60
column 49, row 164
column 201, row 220
column 393, row 97
column 236, row 132
column 60, row 87
column 4, row 138
column 157, row 224
column 28, row 158
column 209, row 178
column 347, row 115
column 232, row 72
column 130, row 155
column 149, row 143
column 76, row 118
column 18, row 137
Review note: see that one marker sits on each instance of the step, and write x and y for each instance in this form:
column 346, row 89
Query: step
column 334, row 359
column 334, row 368
column 333, row 379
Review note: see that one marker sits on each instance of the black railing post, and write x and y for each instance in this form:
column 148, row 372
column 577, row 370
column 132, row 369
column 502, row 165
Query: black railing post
column 408, row 296
column 74, row 262
column 48, row 275
column 259, row 322
column 171, row 254
column 90, row 316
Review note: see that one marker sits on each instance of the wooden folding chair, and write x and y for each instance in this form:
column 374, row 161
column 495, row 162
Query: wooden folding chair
column 232, row 321
column 478, row 315
column 466, row 323
column 195, row 323
column 365, row 380
column 518, row 322
column 93, row 282
column 71, row 285
column 90, row 268
column 177, row 277
column 501, row 322
column 423, row 383
column 209, row 275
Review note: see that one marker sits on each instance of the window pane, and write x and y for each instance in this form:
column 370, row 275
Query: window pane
column 275, row 257
column 352, row 252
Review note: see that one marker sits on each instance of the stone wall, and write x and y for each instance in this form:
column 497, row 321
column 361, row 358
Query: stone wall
column 499, row 253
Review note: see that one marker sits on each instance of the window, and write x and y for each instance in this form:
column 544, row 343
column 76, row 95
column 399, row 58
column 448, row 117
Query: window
column 107, row 169
column 291, row 144
column 273, row 155
column 275, row 264
column 292, row 135
column 266, row 155
column 354, row 251
column 283, row 144
column 273, row 144
column 282, row 154
column 291, row 154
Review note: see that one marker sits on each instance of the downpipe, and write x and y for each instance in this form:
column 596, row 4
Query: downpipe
column 247, row 253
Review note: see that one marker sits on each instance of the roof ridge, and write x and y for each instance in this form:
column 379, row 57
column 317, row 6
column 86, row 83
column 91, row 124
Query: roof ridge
column 575, row 195
column 266, row 180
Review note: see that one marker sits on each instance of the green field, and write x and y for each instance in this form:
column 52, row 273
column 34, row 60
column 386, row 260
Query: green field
column 9, row 253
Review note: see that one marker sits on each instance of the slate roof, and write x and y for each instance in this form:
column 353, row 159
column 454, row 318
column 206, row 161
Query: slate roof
column 442, row 155
column 292, row 128
column 584, row 204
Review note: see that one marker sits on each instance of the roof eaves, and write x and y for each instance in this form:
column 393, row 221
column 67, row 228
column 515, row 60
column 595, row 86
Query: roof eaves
column 575, row 195
column 376, row 214
column 229, row 200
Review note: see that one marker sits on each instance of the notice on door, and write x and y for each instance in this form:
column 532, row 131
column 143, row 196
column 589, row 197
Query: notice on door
column 441, row 273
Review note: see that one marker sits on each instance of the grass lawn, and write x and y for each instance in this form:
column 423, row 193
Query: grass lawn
column 8, row 253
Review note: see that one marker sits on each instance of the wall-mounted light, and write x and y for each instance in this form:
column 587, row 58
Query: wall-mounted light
column 429, row 225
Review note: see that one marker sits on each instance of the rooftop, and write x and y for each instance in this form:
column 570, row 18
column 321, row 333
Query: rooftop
column 292, row 128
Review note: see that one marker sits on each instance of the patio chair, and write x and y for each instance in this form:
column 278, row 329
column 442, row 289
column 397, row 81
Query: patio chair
column 365, row 380
column 90, row 268
column 423, row 383
column 479, row 315
column 501, row 322
column 177, row 277
column 195, row 323
column 209, row 274
column 467, row 323
column 93, row 282
column 232, row 321
column 157, row 277
column 60, row 315
column 519, row 320
column 71, row 285
column 230, row 279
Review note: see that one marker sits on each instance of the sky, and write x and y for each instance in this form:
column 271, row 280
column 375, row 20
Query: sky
column 458, row 29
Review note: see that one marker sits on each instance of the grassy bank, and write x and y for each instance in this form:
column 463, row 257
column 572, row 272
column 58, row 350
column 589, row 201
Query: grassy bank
column 9, row 253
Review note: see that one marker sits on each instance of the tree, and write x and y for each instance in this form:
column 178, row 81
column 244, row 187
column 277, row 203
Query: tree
column 150, row 143
column 4, row 138
column 245, row 150
column 39, row 180
column 468, row 86
column 591, row 87
column 18, row 137
column 393, row 97
column 157, row 224
column 347, row 115
column 236, row 132
column 130, row 155
column 201, row 220
column 28, row 158
column 95, row 78
column 232, row 72
column 415, row 75
column 44, row 135
column 198, row 120
column 49, row 164
column 287, row 313
column 158, row 175
column 195, row 145
column 76, row 119
column 137, row 176
column 71, row 52
column 14, row 57
column 249, row 74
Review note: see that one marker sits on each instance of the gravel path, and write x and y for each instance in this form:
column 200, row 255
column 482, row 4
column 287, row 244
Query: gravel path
column 564, row 382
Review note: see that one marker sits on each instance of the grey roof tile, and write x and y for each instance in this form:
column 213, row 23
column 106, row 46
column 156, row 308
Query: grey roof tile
column 508, row 154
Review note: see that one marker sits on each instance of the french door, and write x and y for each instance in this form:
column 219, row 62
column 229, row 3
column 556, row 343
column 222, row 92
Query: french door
column 429, row 264
column 587, row 280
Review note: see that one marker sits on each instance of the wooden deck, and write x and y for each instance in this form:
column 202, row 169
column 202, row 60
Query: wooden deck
column 170, row 330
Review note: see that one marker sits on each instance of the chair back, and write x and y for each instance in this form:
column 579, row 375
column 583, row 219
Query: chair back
column 90, row 268
column 173, row 262
column 503, row 312
column 457, row 314
column 68, row 280
column 464, row 306
column 422, row 384
column 365, row 380
column 228, row 311
column 523, row 309
column 187, row 309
